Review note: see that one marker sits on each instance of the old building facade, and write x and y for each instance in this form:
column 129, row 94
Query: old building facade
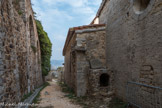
column 84, row 53
column 133, row 51
column 20, row 59
column 85, row 60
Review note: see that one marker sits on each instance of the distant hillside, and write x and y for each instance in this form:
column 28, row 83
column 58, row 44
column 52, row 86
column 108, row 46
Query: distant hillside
column 56, row 63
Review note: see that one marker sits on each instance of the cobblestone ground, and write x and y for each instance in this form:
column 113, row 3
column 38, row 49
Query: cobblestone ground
column 53, row 97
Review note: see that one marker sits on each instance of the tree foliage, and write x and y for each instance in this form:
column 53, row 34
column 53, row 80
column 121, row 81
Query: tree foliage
column 46, row 48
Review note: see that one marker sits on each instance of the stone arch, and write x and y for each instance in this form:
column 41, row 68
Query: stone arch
column 140, row 5
column 141, row 8
column 31, row 29
column 104, row 80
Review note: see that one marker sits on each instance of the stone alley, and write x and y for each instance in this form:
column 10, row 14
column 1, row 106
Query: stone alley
column 53, row 97
column 80, row 53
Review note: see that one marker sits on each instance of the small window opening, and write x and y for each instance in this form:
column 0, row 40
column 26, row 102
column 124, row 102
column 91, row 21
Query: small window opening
column 104, row 80
column 140, row 5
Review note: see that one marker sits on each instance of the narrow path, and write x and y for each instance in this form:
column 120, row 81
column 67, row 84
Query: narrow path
column 53, row 97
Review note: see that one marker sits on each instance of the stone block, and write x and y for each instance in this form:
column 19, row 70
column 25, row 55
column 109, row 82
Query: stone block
column 81, row 89
column 1, row 72
column 1, row 89
column 0, row 54
column 1, row 67
column 96, row 64
column 1, row 81
column 146, row 68
column 80, row 42
column 81, row 76
column 2, row 34
column 1, row 62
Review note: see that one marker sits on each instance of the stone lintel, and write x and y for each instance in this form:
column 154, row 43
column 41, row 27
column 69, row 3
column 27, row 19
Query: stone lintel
column 90, row 30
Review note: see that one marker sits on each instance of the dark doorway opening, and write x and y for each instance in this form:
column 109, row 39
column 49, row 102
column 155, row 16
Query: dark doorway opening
column 104, row 80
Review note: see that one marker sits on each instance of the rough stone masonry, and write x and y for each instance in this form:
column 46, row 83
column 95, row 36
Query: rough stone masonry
column 20, row 68
column 134, row 49
column 133, row 52
column 85, row 59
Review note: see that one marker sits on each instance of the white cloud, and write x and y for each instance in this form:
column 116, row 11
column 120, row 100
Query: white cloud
column 89, row 19
column 58, row 15
column 73, row 3
column 95, row 2
column 84, row 10
column 60, row 37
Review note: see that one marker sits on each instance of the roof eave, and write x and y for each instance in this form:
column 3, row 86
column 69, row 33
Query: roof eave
column 101, row 8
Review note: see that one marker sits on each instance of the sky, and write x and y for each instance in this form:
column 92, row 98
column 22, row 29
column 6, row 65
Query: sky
column 57, row 16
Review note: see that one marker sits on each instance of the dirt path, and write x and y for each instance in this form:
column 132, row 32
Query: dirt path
column 52, row 97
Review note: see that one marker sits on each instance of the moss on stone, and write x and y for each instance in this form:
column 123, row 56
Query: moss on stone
column 26, row 96
column 34, row 49
column 117, row 103
column 20, row 12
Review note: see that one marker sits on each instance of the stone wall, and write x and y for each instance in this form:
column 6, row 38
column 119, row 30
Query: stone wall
column 91, row 62
column 134, row 44
column 69, row 70
column 20, row 68
column 60, row 74
column 82, row 68
column 103, row 12
column 93, row 42
column 95, row 87
column 85, row 52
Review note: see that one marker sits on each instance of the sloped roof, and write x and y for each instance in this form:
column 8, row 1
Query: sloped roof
column 72, row 31
column 101, row 7
column 99, row 10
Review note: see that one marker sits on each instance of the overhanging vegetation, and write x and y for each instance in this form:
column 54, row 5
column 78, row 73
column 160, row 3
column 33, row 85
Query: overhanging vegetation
column 46, row 48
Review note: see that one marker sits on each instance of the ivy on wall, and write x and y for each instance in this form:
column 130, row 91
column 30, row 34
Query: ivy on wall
column 46, row 48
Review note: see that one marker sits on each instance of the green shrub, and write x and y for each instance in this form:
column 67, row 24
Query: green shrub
column 46, row 48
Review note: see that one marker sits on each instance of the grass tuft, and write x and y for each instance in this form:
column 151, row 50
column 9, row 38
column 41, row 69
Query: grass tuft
column 71, row 95
column 26, row 96
column 117, row 103
column 36, row 99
